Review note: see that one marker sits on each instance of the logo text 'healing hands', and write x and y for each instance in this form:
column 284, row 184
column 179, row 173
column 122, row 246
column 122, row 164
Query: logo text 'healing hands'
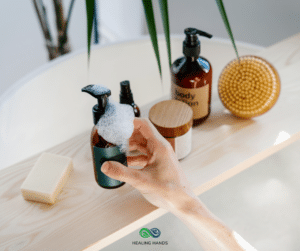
column 146, row 233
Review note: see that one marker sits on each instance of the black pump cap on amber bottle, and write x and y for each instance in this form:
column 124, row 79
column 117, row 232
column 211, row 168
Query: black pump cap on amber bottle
column 126, row 96
column 101, row 93
column 191, row 44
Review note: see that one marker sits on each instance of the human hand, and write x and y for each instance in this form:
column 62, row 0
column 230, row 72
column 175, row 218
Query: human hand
column 161, row 181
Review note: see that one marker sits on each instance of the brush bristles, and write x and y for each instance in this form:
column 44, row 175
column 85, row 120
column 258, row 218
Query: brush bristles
column 249, row 87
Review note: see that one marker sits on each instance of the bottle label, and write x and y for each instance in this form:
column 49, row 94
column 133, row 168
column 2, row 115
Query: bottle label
column 105, row 154
column 196, row 98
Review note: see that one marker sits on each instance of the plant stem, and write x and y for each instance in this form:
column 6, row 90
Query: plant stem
column 62, row 38
column 42, row 16
column 69, row 16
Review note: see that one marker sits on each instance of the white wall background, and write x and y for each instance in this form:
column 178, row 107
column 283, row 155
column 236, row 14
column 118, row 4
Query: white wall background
column 121, row 19
column 259, row 22
column 22, row 45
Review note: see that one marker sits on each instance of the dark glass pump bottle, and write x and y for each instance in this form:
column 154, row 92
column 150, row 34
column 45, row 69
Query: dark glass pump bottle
column 126, row 97
column 191, row 77
column 101, row 149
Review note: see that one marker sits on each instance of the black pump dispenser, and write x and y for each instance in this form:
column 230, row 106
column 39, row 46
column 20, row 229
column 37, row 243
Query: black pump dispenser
column 126, row 96
column 101, row 96
column 191, row 77
column 191, row 44
column 103, row 150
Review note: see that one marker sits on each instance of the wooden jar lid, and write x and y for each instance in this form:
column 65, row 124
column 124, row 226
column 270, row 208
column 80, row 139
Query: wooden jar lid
column 172, row 118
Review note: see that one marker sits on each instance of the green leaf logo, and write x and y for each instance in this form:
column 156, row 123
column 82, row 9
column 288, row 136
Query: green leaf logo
column 146, row 233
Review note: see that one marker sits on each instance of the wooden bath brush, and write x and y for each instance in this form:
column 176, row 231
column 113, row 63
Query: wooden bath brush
column 249, row 87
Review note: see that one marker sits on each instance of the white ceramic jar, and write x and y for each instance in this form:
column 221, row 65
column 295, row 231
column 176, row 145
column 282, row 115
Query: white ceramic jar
column 174, row 120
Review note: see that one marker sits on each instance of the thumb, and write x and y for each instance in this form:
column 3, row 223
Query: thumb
column 120, row 172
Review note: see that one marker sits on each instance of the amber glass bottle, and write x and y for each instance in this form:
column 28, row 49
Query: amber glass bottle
column 101, row 149
column 191, row 77
column 126, row 97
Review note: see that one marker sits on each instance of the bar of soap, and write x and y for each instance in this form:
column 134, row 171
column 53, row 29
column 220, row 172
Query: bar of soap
column 47, row 178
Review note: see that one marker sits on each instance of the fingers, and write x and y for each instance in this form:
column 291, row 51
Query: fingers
column 120, row 172
column 145, row 127
column 146, row 135
column 133, row 145
column 146, row 130
column 140, row 160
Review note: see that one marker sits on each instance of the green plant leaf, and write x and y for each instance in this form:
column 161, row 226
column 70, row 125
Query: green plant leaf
column 69, row 16
column 226, row 23
column 163, row 4
column 148, row 8
column 90, row 18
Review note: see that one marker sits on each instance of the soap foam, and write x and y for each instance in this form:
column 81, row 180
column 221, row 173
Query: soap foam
column 100, row 89
column 116, row 124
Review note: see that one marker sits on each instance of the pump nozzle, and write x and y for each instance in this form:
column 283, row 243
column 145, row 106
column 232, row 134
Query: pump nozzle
column 125, row 87
column 191, row 44
column 101, row 93
column 194, row 31
column 126, row 96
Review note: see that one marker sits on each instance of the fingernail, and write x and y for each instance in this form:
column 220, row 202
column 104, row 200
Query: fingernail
column 105, row 167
